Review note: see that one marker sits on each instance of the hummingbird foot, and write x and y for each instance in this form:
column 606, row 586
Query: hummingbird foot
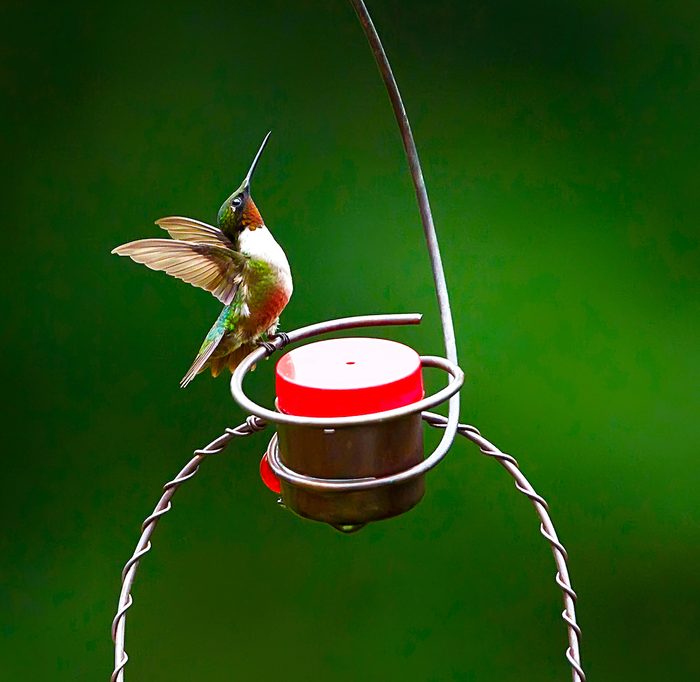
column 269, row 344
column 270, row 348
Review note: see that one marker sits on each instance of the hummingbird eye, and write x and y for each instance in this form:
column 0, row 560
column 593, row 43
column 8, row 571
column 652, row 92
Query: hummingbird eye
column 236, row 202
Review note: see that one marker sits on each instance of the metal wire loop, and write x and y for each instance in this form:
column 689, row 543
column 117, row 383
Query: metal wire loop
column 456, row 382
column 251, row 425
column 547, row 530
column 451, row 391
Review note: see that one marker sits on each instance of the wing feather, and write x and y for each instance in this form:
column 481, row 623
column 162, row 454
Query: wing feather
column 215, row 268
column 191, row 230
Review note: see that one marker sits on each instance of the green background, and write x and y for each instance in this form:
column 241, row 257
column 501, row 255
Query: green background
column 560, row 146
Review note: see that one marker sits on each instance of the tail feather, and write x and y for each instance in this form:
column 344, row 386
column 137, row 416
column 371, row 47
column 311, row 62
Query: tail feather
column 217, row 364
column 210, row 344
column 235, row 358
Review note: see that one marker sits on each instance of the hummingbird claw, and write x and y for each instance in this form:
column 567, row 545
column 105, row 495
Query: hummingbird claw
column 268, row 347
column 269, row 344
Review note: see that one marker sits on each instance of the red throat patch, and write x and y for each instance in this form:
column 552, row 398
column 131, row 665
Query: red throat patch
column 251, row 218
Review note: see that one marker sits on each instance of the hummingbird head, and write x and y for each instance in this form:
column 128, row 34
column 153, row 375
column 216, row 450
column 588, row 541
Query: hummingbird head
column 239, row 211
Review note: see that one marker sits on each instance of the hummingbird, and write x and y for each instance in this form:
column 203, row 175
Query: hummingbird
column 238, row 262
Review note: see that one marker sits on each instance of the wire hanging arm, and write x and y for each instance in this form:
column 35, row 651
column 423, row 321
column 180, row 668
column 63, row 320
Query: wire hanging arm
column 143, row 546
column 510, row 464
column 416, row 175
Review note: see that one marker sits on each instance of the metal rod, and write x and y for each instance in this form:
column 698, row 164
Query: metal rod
column 510, row 464
column 416, row 175
column 143, row 546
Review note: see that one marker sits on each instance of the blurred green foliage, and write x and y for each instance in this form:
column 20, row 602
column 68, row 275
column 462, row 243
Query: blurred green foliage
column 560, row 147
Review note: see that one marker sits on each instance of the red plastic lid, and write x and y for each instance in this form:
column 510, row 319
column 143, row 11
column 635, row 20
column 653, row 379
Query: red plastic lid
column 344, row 378
column 347, row 377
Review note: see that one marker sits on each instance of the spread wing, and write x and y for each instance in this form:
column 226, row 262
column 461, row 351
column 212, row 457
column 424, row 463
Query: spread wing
column 217, row 269
column 190, row 230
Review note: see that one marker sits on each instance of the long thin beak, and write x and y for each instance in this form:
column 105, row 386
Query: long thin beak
column 246, row 181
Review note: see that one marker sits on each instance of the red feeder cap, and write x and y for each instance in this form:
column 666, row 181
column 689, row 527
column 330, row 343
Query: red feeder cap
column 347, row 377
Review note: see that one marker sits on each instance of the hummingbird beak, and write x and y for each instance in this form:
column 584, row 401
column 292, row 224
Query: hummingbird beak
column 246, row 182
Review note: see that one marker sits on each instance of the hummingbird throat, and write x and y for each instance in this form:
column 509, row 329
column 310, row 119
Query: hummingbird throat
column 250, row 216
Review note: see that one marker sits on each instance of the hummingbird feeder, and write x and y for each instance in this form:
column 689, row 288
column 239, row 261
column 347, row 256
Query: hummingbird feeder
column 348, row 448
column 349, row 444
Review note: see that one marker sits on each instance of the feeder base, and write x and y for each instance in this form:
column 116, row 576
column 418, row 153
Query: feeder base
column 372, row 450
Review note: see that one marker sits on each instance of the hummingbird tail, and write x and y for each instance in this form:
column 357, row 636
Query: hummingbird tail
column 204, row 357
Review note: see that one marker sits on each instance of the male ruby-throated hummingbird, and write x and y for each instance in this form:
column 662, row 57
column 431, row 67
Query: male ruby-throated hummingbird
column 239, row 262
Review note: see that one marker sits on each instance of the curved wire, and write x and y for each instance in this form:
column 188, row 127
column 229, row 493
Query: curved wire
column 510, row 464
column 251, row 425
column 414, row 166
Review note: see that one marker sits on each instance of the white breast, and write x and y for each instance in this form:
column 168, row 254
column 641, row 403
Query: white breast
column 261, row 245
